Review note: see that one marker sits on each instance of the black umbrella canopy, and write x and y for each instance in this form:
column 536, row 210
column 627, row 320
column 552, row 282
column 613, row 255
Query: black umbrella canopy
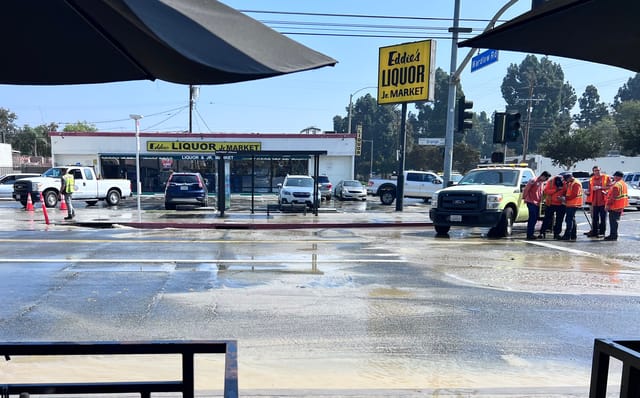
column 52, row 42
column 602, row 31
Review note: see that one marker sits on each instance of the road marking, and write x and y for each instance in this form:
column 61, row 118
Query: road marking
column 194, row 261
column 169, row 240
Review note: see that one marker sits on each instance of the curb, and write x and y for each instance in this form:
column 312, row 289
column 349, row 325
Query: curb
column 257, row 226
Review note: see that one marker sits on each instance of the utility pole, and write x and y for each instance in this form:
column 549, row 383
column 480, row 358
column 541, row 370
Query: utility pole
column 451, row 98
column 454, row 78
column 525, row 143
column 194, row 91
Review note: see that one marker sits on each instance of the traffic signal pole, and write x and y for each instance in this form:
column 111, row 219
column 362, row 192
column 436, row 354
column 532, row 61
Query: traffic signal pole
column 454, row 78
column 451, row 98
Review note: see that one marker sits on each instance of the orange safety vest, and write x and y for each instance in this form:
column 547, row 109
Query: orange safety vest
column 553, row 193
column 618, row 199
column 606, row 180
column 574, row 194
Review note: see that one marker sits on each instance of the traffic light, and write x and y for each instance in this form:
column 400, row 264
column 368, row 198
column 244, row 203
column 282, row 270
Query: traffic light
column 512, row 126
column 498, row 127
column 465, row 117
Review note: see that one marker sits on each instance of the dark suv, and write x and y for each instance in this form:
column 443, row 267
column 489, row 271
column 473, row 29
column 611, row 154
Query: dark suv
column 185, row 188
column 325, row 187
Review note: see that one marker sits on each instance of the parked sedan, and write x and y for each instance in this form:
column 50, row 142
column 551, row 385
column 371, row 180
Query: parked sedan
column 324, row 184
column 185, row 188
column 634, row 196
column 7, row 181
column 350, row 189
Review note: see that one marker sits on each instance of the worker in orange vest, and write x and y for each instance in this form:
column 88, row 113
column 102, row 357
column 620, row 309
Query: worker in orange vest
column 554, row 210
column 597, row 197
column 573, row 201
column 616, row 202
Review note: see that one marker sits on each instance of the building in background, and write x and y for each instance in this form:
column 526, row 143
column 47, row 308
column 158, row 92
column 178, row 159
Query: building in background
column 258, row 162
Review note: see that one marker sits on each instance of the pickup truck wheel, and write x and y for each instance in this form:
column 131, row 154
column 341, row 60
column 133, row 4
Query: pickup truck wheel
column 387, row 196
column 50, row 198
column 442, row 229
column 113, row 197
column 505, row 226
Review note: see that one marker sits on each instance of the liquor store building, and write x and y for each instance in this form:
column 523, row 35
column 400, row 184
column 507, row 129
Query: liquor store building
column 257, row 162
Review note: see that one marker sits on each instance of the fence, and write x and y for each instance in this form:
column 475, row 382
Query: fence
column 187, row 350
column 626, row 351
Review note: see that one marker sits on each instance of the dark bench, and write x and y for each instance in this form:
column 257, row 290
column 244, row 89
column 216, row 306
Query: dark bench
column 294, row 208
column 187, row 350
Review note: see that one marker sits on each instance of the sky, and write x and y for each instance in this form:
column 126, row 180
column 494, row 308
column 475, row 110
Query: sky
column 291, row 103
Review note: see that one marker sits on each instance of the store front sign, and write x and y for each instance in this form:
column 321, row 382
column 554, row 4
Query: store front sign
column 202, row 146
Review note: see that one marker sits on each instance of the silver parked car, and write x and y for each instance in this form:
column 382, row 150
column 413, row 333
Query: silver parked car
column 350, row 189
column 325, row 187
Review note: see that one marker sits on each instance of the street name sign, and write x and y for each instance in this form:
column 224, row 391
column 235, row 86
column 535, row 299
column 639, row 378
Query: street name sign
column 483, row 59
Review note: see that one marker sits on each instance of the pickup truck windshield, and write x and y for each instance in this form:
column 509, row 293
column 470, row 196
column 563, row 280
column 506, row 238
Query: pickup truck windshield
column 507, row 178
column 54, row 173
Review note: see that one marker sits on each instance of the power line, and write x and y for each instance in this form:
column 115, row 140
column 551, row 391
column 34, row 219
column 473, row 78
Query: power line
column 370, row 16
column 339, row 29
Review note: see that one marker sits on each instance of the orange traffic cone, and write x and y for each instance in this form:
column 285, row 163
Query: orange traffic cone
column 63, row 203
column 29, row 203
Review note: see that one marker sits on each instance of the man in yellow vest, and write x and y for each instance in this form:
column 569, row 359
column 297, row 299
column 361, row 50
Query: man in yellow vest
column 68, row 188
column 616, row 202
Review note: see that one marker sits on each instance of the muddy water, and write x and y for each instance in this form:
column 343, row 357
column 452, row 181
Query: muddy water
column 256, row 372
column 403, row 318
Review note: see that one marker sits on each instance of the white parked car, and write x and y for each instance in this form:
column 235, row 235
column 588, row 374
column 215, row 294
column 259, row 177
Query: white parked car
column 632, row 179
column 633, row 194
column 298, row 189
column 7, row 181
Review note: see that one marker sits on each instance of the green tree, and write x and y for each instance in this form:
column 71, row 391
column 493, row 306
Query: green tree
column 630, row 91
column 83, row 126
column 34, row 140
column 538, row 91
column 7, row 125
column 627, row 120
column 591, row 109
column 605, row 134
column 481, row 136
column 431, row 119
column 566, row 148
column 380, row 123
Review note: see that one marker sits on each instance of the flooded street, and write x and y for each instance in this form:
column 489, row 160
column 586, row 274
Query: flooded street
column 326, row 309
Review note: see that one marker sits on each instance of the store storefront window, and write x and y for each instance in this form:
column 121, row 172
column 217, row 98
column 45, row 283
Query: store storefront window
column 267, row 172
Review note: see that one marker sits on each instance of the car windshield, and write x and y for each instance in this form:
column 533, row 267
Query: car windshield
column 299, row 182
column 352, row 183
column 491, row 177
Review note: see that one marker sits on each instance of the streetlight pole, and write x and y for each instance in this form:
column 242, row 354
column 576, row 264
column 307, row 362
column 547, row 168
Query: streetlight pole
column 351, row 106
column 138, row 185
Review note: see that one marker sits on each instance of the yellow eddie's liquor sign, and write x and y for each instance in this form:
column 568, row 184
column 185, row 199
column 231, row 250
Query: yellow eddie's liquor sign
column 202, row 146
column 406, row 72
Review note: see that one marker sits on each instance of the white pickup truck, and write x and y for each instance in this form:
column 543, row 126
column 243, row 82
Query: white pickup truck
column 417, row 184
column 87, row 187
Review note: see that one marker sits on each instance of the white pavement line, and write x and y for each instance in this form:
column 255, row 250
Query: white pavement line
column 193, row 261
column 564, row 249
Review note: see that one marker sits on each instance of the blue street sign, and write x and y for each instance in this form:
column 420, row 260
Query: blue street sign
column 483, row 59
